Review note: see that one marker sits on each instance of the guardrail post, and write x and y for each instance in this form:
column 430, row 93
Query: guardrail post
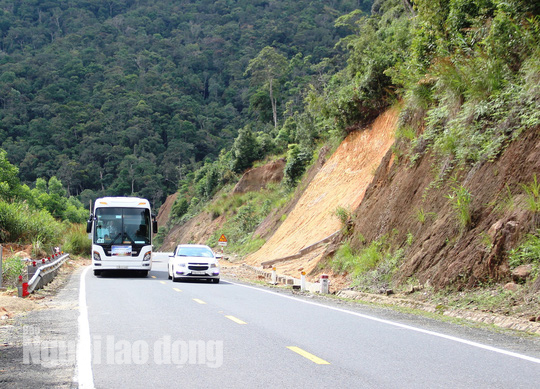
column 19, row 287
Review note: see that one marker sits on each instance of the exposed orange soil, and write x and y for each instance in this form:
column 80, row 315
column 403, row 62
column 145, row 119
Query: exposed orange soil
column 341, row 182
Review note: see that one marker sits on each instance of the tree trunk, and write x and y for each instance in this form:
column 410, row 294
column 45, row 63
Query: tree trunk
column 407, row 4
column 274, row 104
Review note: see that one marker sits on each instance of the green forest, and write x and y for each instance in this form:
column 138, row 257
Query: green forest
column 146, row 98
column 127, row 97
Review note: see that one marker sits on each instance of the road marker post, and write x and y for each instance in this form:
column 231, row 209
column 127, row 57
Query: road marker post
column 303, row 281
column 274, row 275
column 324, row 283
column 19, row 287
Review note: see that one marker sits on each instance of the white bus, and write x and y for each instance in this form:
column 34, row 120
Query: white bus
column 121, row 229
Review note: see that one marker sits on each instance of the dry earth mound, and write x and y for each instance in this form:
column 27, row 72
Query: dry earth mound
column 341, row 182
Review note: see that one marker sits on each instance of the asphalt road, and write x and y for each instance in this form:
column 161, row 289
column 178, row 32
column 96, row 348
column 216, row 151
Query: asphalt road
column 151, row 332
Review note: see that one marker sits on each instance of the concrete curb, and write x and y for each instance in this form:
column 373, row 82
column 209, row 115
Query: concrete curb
column 313, row 287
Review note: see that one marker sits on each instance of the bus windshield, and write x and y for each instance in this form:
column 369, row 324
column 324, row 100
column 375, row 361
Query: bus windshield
column 117, row 225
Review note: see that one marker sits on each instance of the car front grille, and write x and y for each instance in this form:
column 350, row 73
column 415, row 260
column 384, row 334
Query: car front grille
column 198, row 267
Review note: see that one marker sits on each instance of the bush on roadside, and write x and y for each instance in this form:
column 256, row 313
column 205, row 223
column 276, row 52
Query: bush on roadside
column 19, row 223
column 76, row 240
column 12, row 268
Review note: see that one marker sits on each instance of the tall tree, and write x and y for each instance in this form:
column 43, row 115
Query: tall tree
column 265, row 69
column 9, row 180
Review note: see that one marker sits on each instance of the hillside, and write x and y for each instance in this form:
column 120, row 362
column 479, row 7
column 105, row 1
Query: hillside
column 386, row 196
column 441, row 251
column 341, row 182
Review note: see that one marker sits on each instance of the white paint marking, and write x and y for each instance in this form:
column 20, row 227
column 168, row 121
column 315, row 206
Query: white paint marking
column 84, row 373
column 405, row 326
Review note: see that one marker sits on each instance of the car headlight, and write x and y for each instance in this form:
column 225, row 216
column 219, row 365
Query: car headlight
column 96, row 256
column 213, row 265
column 181, row 264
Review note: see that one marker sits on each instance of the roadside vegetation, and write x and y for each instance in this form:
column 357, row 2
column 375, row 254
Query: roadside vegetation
column 43, row 217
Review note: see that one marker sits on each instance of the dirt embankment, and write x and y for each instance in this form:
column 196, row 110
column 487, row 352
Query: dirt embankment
column 440, row 251
column 165, row 210
column 341, row 182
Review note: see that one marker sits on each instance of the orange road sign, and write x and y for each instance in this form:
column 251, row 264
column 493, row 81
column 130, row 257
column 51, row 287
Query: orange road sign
column 222, row 241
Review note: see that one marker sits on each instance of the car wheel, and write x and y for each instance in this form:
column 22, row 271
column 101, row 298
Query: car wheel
column 173, row 276
column 215, row 280
column 169, row 273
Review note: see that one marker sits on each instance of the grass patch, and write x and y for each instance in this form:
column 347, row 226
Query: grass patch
column 422, row 215
column 461, row 199
column 371, row 268
column 528, row 252
column 533, row 195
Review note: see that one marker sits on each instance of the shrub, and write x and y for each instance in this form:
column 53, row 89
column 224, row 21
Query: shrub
column 180, row 207
column 298, row 159
column 344, row 259
column 344, row 216
column 357, row 262
column 460, row 199
column 533, row 195
column 19, row 223
column 527, row 252
column 76, row 240
column 12, row 268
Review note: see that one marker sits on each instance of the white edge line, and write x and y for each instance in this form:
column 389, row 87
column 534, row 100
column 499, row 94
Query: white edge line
column 405, row 326
column 84, row 374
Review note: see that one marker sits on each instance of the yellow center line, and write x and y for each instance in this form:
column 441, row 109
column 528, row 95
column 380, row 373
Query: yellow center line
column 235, row 319
column 153, row 276
column 162, row 282
column 309, row 356
column 199, row 301
column 176, row 289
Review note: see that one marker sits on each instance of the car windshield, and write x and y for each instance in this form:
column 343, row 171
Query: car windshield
column 194, row 252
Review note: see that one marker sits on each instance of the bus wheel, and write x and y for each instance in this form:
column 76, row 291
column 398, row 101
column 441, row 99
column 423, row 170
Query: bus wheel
column 144, row 273
column 97, row 273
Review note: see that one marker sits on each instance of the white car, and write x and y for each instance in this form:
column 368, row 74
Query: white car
column 193, row 261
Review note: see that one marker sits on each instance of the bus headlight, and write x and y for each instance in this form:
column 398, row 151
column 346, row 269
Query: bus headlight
column 147, row 256
column 96, row 256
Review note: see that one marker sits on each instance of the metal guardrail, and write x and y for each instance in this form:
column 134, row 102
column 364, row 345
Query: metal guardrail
column 46, row 273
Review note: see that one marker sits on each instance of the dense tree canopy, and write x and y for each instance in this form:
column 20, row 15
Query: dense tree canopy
column 147, row 97
column 116, row 97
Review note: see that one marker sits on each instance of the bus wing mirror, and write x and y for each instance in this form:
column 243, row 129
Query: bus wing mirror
column 89, row 225
column 154, row 226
